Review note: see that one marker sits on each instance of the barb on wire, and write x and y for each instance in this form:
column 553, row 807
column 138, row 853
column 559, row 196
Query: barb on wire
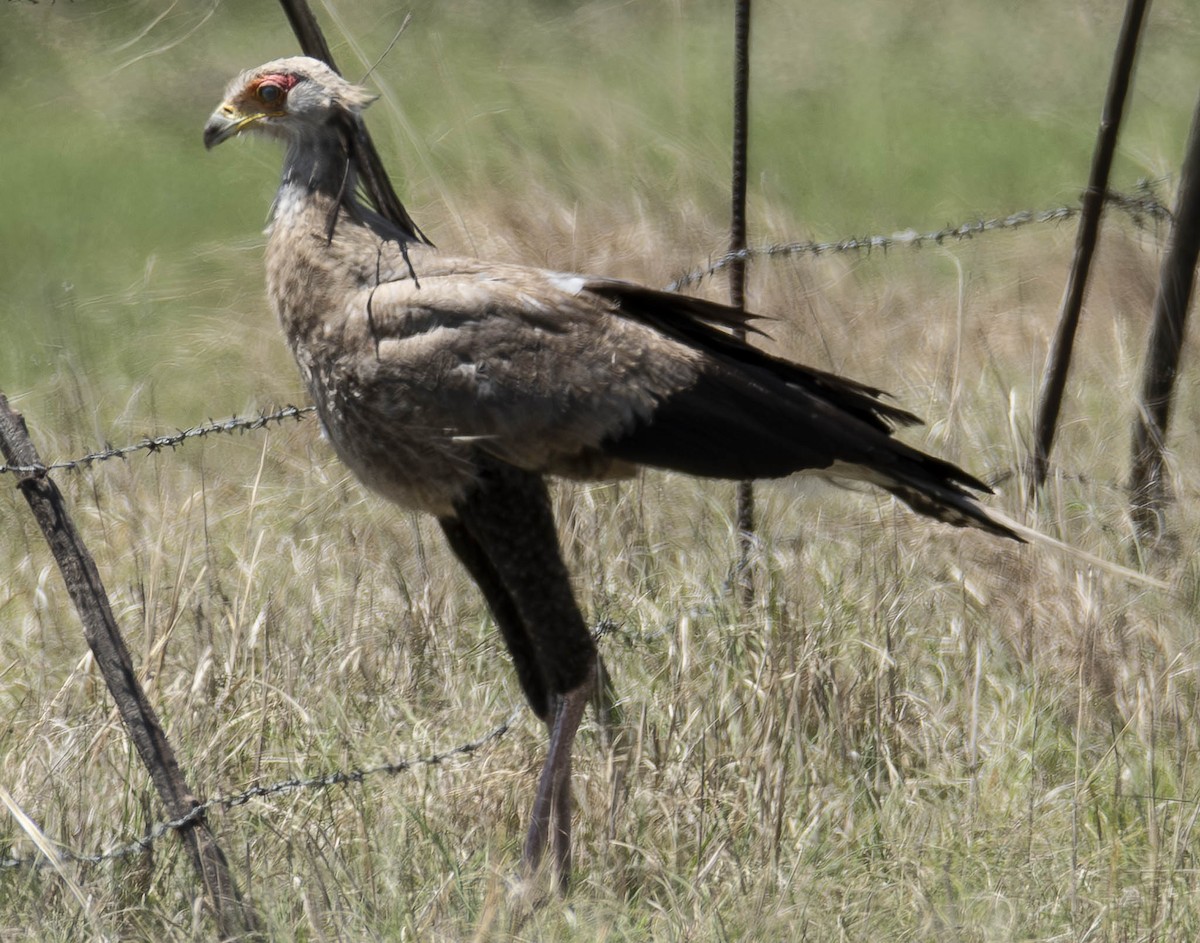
column 1140, row 206
column 336, row 778
column 161, row 442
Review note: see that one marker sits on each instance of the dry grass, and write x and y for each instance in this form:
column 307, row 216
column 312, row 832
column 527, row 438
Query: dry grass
column 914, row 733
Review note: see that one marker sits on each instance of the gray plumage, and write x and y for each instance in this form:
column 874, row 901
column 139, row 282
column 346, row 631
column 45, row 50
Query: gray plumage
column 453, row 386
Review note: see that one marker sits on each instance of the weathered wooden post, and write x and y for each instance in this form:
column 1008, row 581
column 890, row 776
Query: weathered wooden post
column 1146, row 485
column 1059, row 360
column 234, row 916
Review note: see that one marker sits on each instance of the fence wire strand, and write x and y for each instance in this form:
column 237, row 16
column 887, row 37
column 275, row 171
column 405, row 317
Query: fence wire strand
column 162, row 442
column 1142, row 208
column 336, row 778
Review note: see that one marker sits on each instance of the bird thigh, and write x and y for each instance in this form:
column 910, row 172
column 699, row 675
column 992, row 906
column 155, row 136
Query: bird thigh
column 508, row 518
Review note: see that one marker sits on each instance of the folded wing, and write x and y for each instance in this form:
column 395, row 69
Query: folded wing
column 592, row 377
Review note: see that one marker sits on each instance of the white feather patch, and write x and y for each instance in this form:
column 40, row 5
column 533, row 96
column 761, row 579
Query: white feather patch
column 571, row 284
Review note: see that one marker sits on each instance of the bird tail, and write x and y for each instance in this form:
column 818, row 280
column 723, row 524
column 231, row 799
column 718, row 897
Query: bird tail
column 936, row 489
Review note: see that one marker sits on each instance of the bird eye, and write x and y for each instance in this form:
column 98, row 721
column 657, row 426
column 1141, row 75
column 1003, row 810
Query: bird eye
column 269, row 94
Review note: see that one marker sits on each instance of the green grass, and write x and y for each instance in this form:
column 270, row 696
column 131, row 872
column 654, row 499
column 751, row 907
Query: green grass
column 914, row 733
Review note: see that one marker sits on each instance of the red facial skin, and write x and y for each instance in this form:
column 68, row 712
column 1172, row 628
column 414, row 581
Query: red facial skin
column 255, row 90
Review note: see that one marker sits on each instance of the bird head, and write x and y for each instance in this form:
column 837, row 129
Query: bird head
column 287, row 98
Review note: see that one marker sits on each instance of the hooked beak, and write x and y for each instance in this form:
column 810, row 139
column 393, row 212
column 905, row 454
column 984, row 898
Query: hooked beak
column 226, row 122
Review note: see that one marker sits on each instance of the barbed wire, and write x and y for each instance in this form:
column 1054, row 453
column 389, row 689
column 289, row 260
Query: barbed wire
column 336, row 778
column 162, row 442
column 1142, row 206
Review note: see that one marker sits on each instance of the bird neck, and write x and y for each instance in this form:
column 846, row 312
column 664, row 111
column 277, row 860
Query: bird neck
column 321, row 166
column 319, row 163
column 324, row 245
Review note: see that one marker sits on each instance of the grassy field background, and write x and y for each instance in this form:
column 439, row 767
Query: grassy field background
column 914, row 733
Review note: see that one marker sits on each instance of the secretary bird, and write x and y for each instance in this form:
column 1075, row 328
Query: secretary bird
column 454, row 386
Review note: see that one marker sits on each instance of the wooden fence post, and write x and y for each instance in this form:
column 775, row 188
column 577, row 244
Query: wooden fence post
column 1146, row 485
column 235, row 918
column 1059, row 360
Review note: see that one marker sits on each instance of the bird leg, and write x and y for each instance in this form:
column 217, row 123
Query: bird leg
column 550, row 823
column 504, row 533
